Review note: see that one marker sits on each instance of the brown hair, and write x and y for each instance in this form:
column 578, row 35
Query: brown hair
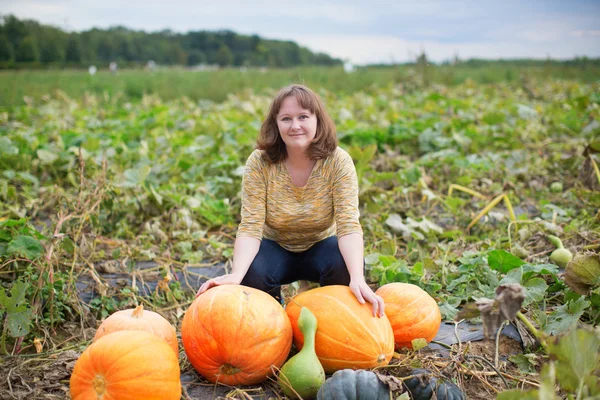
column 269, row 140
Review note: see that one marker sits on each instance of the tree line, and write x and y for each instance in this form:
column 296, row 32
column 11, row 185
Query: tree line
column 28, row 43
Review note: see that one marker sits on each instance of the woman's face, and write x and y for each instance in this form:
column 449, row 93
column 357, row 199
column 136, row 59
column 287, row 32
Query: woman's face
column 297, row 125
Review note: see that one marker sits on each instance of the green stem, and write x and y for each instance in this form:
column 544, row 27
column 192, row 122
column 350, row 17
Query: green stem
column 3, row 339
column 555, row 241
column 580, row 389
column 538, row 335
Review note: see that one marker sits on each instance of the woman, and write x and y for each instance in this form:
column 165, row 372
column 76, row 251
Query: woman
column 299, row 205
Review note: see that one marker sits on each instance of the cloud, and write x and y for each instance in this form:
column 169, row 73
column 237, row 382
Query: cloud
column 384, row 49
column 585, row 33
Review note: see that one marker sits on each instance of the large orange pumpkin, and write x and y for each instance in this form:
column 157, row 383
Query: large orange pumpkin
column 412, row 311
column 234, row 334
column 139, row 319
column 348, row 335
column 127, row 365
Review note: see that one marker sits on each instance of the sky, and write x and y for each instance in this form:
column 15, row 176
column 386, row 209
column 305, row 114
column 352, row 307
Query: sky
column 359, row 32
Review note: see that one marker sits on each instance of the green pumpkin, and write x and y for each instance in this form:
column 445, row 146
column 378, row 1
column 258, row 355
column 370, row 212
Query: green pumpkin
column 422, row 387
column 303, row 372
column 348, row 384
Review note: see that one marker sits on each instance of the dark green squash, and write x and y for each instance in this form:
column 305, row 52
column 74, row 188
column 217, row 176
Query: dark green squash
column 348, row 384
column 423, row 385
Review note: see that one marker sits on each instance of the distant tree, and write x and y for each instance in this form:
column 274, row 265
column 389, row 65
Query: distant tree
column 27, row 50
column 73, row 51
column 224, row 56
column 105, row 50
column 196, row 57
column 254, row 42
column 6, row 51
column 125, row 49
column 50, row 44
column 14, row 30
column 50, row 51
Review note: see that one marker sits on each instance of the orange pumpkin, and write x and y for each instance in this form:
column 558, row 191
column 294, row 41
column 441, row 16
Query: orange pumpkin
column 234, row 334
column 139, row 320
column 412, row 311
column 348, row 335
column 127, row 365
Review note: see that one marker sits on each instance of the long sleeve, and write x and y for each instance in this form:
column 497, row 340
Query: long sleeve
column 345, row 196
column 254, row 198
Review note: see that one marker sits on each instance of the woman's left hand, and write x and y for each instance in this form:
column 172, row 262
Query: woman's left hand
column 363, row 292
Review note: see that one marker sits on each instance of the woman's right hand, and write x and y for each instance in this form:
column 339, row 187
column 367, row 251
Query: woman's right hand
column 227, row 279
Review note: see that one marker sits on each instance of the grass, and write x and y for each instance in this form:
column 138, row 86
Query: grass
column 217, row 85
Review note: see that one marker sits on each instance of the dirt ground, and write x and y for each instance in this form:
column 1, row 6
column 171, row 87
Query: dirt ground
column 46, row 376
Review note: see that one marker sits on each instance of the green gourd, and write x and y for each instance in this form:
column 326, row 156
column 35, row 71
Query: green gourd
column 303, row 372
column 560, row 256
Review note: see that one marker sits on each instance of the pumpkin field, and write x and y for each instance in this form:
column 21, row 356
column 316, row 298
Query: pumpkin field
column 484, row 195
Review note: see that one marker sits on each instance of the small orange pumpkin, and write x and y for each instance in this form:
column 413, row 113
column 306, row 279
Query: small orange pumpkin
column 412, row 312
column 139, row 319
column 348, row 335
column 234, row 334
column 127, row 365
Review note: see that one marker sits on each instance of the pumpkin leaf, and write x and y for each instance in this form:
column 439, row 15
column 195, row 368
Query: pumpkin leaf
column 46, row 157
column 418, row 344
column 7, row 148
column 578, row 357
column 27, row 246
column 566, row 316
column 19, row 316
column 525, row 362
column 503, row 261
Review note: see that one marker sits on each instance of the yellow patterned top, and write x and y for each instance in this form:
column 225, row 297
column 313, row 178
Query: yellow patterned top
column 298, row 217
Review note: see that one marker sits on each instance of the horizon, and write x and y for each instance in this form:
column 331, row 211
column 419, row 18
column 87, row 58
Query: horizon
column 380, row 33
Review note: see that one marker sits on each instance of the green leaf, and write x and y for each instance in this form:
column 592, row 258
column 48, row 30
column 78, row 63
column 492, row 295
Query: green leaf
column 539, row 269
column 26, row 246
column 372, row 258
column 19, row 315
column 68, row 245
column 448, row 310
column 578, row 357
column 18, row 323
column 548, row 382
column 5, row 236
column 7, row 148
column 9, row 223
column 503, row 261
column 46, row 157
column 525, row 362
column 157, row 197
column 566, row 316
column 418, row 344
column 18, row 291
column 135, row 177
column 388, row 247
column 535, row 289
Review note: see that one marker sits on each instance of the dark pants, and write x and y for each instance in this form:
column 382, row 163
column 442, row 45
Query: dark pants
column 274, row 266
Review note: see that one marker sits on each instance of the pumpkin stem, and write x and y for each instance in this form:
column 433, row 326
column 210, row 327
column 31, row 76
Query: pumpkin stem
column 228, row 369
column 99, row 385
column 138, row 312
column 381, row 358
